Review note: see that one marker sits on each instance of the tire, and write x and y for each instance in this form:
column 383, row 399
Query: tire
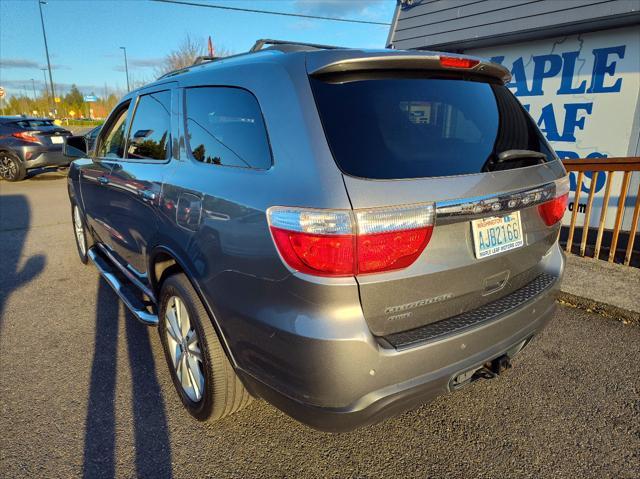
column 221, row 392
column 11, row 168
column 79, row 233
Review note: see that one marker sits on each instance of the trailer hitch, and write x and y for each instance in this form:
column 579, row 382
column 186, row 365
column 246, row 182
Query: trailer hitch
column 493, row 369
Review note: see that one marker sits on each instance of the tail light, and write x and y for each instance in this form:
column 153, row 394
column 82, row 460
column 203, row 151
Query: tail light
column 552, row 211
column 458, row 62
column 26, row 136
column 347, row 243
column 314, row 241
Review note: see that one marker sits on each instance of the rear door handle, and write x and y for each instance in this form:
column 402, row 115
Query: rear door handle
column 103, row 180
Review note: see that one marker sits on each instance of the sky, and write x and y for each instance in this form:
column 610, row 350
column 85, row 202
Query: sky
column 84, row 36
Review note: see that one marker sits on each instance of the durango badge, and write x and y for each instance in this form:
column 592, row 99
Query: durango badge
column 416, row 304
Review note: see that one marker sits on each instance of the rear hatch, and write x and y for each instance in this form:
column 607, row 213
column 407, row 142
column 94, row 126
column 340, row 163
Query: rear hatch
column 457, row 138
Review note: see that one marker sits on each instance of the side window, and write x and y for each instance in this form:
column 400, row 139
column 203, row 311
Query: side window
column 225, row 127
column 149, row 136
column 112, row 144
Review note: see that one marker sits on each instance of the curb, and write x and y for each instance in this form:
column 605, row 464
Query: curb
column 604, row 309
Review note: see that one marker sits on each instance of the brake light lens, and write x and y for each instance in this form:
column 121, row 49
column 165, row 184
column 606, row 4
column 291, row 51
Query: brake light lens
column 25, row 136
column 345, row 243
column 458, row 62
column 392, row 238
column 330, row 255
column 552, row 211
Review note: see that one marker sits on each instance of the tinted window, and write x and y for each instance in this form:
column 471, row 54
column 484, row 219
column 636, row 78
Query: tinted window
column 149, row 136
column 93, row 134
column 388, row 127
column 30, row 124
column 112, row 144
column 225, row 127
column 91, row 137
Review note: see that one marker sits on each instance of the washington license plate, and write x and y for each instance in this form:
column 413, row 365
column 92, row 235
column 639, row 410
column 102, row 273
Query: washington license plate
column 497, row 234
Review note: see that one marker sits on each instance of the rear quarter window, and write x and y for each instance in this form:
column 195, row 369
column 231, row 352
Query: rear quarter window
column 224, row 126
column 397, row 127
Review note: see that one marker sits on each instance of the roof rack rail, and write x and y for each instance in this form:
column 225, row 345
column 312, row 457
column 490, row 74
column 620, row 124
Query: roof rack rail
column 283, row 44
column 198, row 61
column 280, row 45
column 204, row 59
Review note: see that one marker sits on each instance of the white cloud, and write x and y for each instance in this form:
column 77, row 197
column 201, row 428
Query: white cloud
column 135, row 63
column 18, row 63
column 25, row 85
column 335, row 8
column 12, row 63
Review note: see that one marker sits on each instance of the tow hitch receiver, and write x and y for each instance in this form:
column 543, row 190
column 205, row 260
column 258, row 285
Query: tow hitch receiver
column 489, row 370
column 494, row 368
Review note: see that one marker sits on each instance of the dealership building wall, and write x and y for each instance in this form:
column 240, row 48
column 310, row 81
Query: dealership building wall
column 575, row 67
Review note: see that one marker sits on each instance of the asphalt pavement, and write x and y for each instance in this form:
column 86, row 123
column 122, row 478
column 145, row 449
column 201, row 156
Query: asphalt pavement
column 84, row 390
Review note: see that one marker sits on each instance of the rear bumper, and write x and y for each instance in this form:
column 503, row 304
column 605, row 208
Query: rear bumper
column 340, row 377
column 397, row 398
column 38, row 157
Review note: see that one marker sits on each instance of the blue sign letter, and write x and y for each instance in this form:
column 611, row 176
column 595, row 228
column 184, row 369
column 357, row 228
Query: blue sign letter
column 568, row 71
column 600, row 68
column 519, row 79
column 571, row 120
column 547, row 123
column 540, row 71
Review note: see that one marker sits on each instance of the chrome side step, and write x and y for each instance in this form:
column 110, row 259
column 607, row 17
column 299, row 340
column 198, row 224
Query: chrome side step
column 122, row 289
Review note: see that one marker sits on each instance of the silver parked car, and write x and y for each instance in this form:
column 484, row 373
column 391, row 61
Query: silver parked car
column 344, row 233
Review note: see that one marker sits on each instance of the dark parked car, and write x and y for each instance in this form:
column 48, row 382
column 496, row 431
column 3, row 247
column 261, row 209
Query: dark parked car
column 344, row 233
column 27, row 143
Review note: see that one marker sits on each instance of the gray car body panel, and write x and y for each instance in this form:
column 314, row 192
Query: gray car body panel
column 310, row 344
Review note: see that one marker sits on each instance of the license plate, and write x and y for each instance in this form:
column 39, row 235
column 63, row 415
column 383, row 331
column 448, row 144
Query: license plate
column 497, row 234
column 57, row 139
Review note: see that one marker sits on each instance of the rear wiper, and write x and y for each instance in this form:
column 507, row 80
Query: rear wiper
column 512, row 155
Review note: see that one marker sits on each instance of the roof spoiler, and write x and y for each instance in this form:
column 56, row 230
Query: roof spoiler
column 449, row 63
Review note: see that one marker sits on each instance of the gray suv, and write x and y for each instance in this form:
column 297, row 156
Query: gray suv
column 344, row 233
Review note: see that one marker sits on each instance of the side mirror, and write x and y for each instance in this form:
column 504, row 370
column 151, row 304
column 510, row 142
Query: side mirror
column 75, row 147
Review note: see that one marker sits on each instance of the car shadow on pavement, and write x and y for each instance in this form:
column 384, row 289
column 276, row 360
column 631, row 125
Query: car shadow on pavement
column 152, row 445
column 47, row 173
column 15, row 222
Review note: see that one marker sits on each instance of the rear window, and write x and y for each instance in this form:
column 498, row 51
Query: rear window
column 32, row 124
column 395, row 128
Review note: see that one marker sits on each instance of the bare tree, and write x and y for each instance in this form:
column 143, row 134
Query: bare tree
column 185, row 55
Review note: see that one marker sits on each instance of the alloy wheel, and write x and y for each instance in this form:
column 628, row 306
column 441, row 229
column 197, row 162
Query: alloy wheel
column 184, row 348
column 79, row 231
column 8, row 168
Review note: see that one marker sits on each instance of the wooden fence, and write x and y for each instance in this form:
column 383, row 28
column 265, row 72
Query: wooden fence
column 597, row 166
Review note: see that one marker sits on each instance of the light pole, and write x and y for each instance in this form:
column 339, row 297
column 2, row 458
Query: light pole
column 33, row 85
column 126, row 66
column 46, row 49
column 46, row 88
